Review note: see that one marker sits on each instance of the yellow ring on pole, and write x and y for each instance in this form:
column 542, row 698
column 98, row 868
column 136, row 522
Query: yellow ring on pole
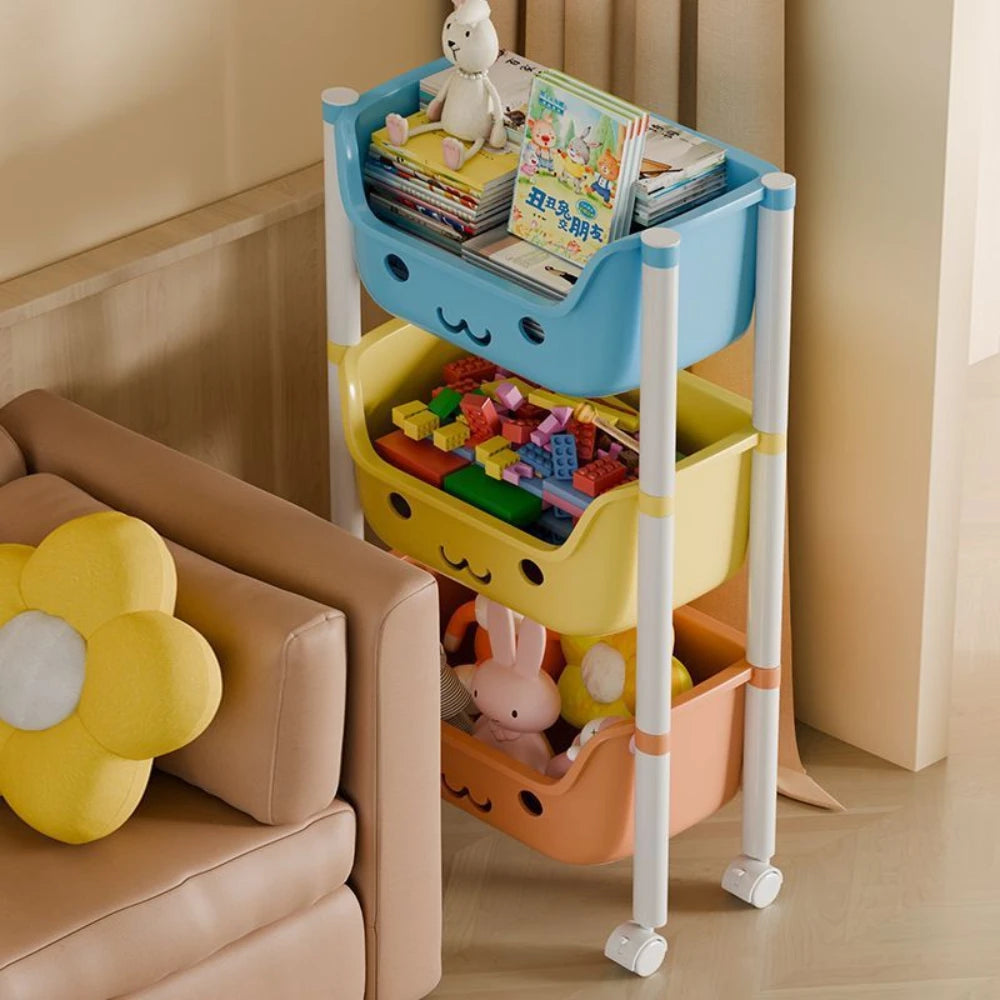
column 771, row 444
column 655, row 506
column 335, row 353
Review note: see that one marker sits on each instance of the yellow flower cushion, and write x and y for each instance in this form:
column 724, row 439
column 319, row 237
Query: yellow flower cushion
column 96, row 675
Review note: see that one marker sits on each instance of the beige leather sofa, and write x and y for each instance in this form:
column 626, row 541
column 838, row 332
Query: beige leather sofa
column 293, row 851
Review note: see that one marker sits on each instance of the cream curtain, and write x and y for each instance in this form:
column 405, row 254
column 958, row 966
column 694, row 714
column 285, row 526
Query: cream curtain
column 715, row 65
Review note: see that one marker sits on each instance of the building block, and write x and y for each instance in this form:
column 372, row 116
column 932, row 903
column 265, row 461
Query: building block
column 496, row 463
column 451, row 436
column 598, row 476
column 490, row 447
column 406, row 410
column 517, row 429
column 415, row 420
column 418, row 458
column 564, row 460
column 469, row 367
column 445, row 403
column 565, row 496
column 464, row 385
column 562, row 503
column 509, row 394
column 537, row 457
column 509, row 503
column 482, row 416
column 553, row 526
column 586, row 439
column 516, row 472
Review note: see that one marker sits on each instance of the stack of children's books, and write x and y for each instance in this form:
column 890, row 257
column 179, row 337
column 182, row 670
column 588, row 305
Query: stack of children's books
column 679, row 170
column 580, row 158
column 410, row 187
column 581, row 168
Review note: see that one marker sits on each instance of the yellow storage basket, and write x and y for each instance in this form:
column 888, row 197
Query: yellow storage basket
column 587, row 585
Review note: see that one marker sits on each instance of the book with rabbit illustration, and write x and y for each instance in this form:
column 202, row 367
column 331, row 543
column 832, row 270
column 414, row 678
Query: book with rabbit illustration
column 579, row 160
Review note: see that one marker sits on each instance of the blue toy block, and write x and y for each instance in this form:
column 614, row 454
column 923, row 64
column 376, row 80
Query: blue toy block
column 537, row 457
column 564, row 491
column 564, row 461
column 532, row 484
column 554, row 526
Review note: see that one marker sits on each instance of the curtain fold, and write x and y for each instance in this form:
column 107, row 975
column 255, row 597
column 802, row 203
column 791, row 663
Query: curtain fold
column 713, row 65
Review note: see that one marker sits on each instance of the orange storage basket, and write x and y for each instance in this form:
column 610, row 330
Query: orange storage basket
column 586, row 817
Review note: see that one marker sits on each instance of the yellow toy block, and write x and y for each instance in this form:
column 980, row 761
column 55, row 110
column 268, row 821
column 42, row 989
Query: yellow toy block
column 421, row 425
column 491, row 447
column 405, row 410
column 498, row 461
column 451, row 436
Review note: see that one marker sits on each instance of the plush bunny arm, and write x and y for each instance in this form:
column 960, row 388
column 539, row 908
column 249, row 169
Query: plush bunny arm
column 498, row 134
column 434, row 108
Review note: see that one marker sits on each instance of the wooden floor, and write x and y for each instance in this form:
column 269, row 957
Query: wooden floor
column 896, row 899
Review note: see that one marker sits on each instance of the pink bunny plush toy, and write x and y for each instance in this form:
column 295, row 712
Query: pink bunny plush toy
column 467, row 106
column 518, row 699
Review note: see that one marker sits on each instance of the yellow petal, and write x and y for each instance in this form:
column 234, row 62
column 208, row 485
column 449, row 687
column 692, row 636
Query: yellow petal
column 153, row 684
column 95, row 568
column 65, row 785
column 13, row 559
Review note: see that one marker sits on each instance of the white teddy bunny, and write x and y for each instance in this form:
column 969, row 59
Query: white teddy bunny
column 467, row 106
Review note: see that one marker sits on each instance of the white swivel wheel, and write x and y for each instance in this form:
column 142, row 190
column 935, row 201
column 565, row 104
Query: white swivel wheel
column 636, row 948
column 755, row 882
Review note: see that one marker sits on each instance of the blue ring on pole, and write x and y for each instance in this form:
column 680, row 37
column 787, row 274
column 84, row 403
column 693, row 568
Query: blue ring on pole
column 779, row 199
column 661, row 257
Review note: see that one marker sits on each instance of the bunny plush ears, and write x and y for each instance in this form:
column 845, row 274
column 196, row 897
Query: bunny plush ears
column 523, row 650
column 471, row 11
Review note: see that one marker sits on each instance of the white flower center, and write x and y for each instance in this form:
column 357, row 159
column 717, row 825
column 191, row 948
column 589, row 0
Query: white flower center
column 42, row 666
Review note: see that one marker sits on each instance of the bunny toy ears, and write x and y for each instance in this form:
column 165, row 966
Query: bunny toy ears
column 471, row 11
column 525, row 651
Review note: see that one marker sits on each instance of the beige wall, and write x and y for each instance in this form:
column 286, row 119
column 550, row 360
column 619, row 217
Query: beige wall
column 879, row 128
column 115, row 114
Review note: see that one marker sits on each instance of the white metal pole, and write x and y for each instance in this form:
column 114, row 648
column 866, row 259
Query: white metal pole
column 752, row 877
column 343, row 315
column 635, row 944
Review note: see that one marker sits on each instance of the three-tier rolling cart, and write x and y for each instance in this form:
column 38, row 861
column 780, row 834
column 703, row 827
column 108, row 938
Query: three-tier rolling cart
column 644, row 308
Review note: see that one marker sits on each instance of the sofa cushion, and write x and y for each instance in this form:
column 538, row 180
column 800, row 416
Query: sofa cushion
column 184, row 878
column 11, row 459
column 274, row 748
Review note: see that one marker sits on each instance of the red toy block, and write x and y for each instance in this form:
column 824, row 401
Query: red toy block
column 470, row 367
column 586, row 438
column 599, row 476
column 517, row 429
column 464, row 385
column 484, row 421
column 419, row 458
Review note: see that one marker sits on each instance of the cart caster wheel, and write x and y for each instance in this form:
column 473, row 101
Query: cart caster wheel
column 636, row 948
column 753, row 881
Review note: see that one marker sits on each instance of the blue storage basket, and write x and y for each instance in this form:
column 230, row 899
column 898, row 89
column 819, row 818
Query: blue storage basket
column 589, row 342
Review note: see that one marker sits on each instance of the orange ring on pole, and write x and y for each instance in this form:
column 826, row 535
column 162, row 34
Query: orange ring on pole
column 652, row 744
column 765, row 678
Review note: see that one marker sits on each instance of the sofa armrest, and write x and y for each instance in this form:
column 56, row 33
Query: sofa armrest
column 392, row 742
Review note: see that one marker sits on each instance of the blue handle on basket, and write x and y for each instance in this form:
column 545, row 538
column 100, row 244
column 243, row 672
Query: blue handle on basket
column 587, row 343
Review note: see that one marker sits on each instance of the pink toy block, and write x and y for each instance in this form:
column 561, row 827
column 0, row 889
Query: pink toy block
column 518, row 471
column 562, row 415
column 562, row 503
column 509, row 395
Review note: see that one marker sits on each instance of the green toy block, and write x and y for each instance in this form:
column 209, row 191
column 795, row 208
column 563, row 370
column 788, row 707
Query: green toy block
column 509, row 503
column 445, row 403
